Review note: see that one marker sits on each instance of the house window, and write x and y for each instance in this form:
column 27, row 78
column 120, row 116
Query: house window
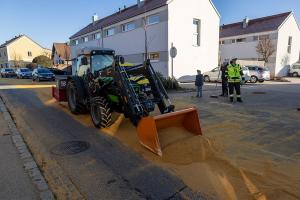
column 128, row 27
column 264, row 37
column 240, row 40
column 5, row 54
column 153, row 19
column 29, row 53
column 255, row 38
column 76, row 42
column 222, row 42
column 86, row 39
column 290, row 44
column 233, row 41
column 154, row 56
column 197, row 30
column 110, row 32
column 0, row 54
column 97, row 36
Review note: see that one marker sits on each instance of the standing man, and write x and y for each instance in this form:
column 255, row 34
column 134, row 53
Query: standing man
column 234, row 75
column 199, row 83
column 224, row 80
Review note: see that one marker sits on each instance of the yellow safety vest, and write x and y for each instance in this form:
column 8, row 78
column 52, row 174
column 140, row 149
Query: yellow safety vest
column 234, row 73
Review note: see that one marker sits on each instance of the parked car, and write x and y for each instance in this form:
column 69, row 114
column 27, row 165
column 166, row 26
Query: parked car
column 246, row 77
column 258, row 74
column 58, row 71
column 24, row 73
column 42, row 74
column 187, row 79
column 8, row 72
column 215, row 75
column 294, row 70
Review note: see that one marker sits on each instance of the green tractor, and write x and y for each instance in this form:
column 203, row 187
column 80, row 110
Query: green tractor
column 103, row 83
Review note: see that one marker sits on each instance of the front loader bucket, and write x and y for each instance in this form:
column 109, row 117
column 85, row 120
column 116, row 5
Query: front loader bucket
column 149, row 127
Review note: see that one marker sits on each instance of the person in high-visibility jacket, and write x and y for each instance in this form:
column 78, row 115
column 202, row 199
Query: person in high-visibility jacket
column 234, row 75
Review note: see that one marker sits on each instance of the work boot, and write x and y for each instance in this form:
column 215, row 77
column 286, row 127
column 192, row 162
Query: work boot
column 239, row 99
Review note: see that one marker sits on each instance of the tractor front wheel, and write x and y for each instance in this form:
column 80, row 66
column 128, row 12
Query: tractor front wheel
column 100, row 112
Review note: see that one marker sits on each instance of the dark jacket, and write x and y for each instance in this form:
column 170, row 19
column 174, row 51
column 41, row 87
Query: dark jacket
column 223, row 70
column 199, row 80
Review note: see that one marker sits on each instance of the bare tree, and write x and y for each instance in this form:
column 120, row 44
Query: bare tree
column 46, row 53
column 266, row 49
column 17, row 59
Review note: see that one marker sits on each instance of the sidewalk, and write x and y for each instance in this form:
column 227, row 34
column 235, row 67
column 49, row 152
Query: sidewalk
column 14, row 183
column 19, row 180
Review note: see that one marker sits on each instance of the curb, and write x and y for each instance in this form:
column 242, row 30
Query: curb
column 29, row 164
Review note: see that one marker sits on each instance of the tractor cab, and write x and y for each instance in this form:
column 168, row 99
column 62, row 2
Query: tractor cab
column 94, row 60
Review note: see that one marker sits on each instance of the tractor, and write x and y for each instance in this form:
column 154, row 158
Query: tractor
column 103, row 83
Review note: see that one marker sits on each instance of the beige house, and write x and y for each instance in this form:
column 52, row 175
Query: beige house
column 20, row 51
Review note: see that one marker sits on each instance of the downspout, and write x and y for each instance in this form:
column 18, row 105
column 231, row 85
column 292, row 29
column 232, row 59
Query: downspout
column 102, row 37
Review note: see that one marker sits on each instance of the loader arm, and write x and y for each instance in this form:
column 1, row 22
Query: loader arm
column 129, row 96
column 158, row 91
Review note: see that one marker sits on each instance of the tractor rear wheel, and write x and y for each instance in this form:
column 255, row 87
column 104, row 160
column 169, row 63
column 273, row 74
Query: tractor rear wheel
column 100, row 112
column 75, row 106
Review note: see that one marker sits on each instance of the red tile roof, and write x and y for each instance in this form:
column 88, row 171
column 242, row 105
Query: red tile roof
column 270, row 23
column 63, row 50
column 118, row 17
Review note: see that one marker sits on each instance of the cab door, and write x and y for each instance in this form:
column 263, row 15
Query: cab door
column 83, row 66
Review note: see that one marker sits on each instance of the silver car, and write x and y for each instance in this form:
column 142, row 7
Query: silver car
column 215, row 75
column 258, row 74
column 24, row 73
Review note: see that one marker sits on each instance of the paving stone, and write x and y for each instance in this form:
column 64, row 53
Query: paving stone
column 41, row 184
column 25, row 155
column 30, row 165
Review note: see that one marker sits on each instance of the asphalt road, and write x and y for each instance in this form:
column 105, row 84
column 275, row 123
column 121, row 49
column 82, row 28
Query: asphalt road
column 262, row 130
column 107, row 170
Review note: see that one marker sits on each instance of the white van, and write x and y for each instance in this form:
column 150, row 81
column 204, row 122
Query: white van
column 295, row 70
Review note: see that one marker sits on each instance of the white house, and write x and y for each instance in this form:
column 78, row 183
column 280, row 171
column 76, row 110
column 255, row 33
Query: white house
column 239, row 40
column 191, row 26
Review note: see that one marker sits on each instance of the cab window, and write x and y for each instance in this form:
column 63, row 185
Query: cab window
column 83, row 65
column 100, row 62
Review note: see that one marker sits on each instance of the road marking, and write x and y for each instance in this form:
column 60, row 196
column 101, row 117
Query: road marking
column 10, row 87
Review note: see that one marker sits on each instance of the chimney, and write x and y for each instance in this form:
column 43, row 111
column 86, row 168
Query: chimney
column 140, row 3
column 246, row 22
column 94, row 18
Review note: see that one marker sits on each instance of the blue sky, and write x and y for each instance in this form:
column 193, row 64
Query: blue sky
column 48, row 21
